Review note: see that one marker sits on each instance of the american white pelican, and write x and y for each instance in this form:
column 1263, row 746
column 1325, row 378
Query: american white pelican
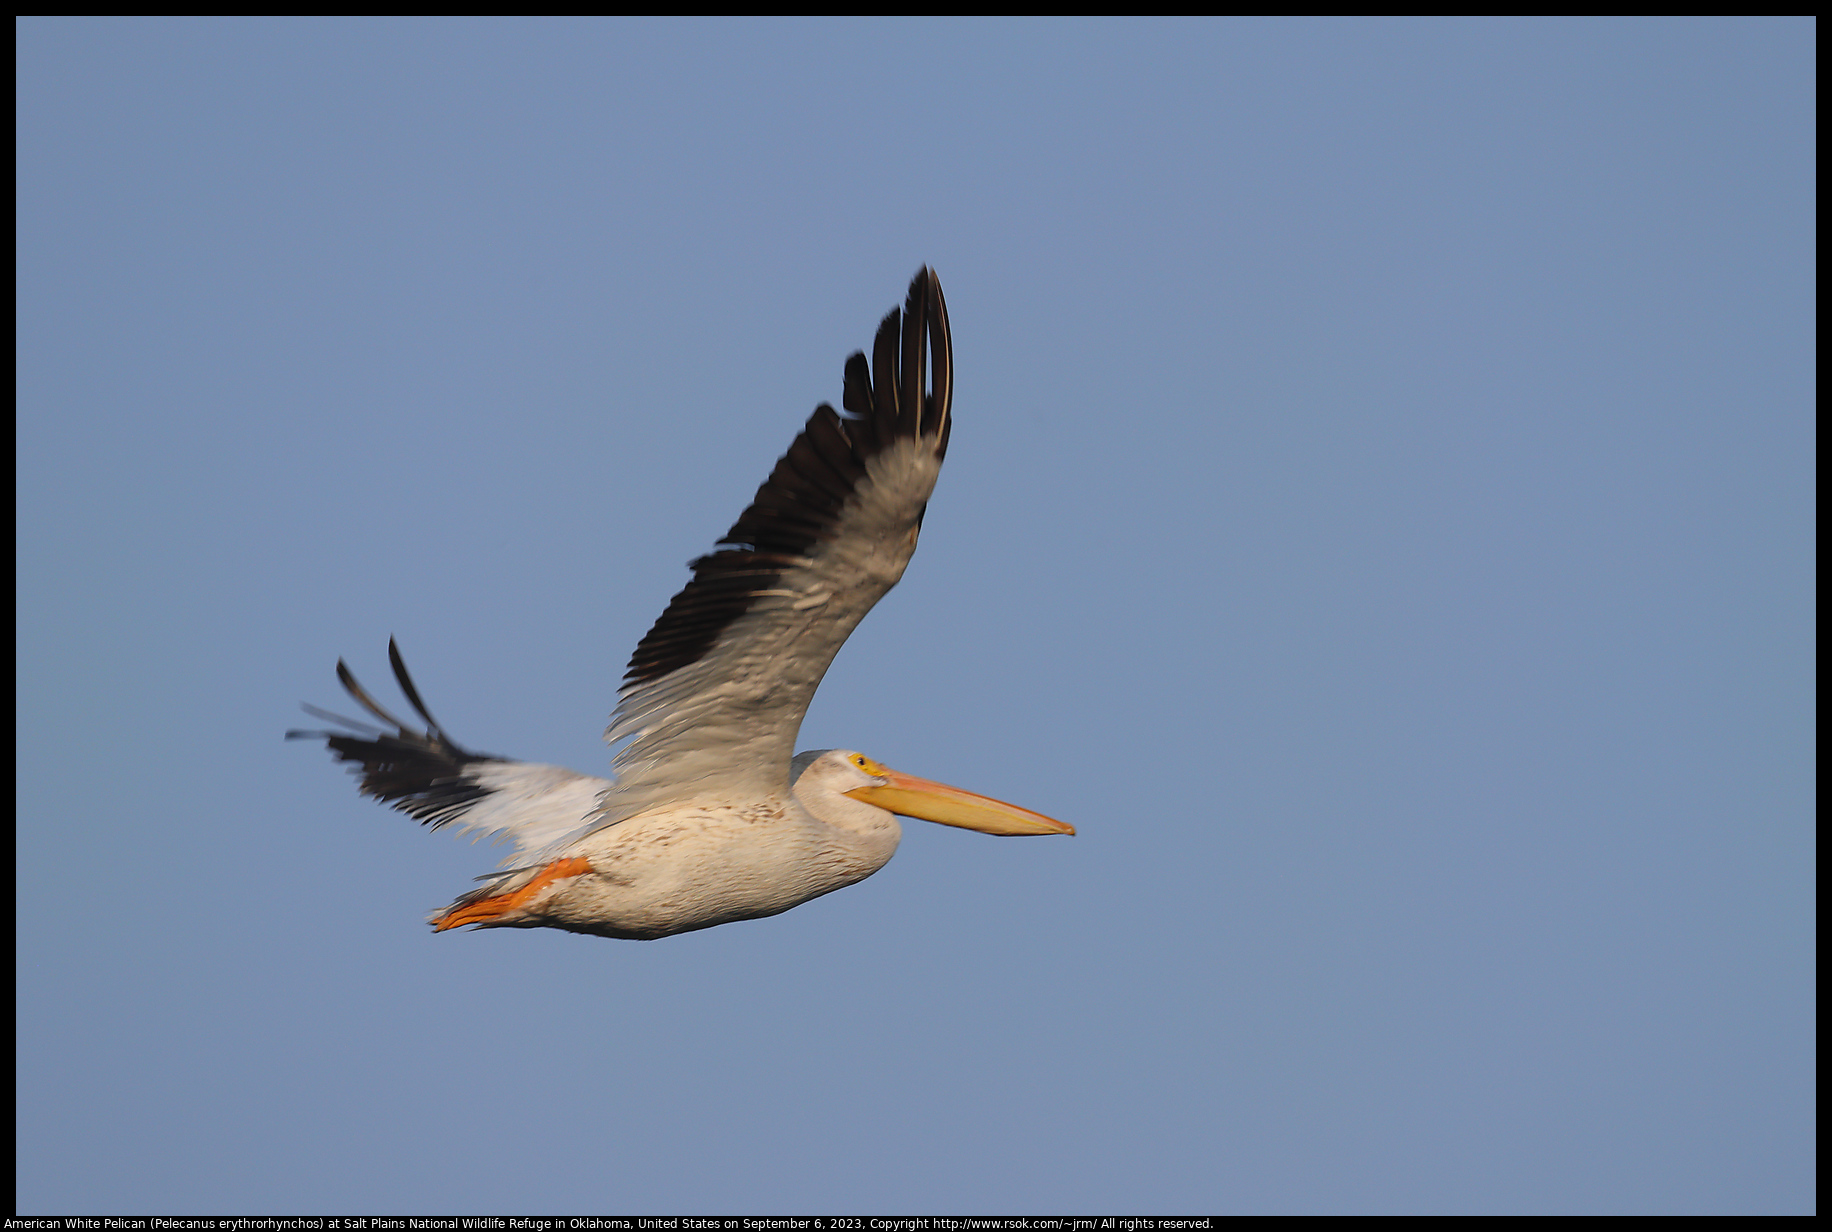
column 709, row 818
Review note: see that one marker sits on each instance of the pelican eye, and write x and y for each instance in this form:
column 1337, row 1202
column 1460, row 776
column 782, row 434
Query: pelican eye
column 868, row 765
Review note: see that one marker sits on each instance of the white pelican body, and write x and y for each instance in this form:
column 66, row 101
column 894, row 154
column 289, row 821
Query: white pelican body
column 709, row 819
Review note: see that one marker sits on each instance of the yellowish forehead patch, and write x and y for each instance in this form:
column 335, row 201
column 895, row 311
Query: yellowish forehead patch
column 875, row 769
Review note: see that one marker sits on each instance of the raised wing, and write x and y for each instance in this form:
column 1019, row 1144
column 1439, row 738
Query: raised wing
column 428, row 776
column 716, row 691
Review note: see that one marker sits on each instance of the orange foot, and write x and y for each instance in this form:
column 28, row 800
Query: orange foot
column 499, row 905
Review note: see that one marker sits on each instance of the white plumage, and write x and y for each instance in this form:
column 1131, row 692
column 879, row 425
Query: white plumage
column 709, row 817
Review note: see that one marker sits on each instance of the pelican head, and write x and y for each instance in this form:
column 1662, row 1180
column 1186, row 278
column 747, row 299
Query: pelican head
column 858, row 777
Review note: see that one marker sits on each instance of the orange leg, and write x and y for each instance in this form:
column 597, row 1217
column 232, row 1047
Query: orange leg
column 499, row 905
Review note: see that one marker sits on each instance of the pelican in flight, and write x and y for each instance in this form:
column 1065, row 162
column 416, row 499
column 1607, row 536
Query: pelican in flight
column 712, row 817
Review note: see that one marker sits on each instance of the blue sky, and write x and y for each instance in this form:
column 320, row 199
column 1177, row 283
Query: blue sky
column 1379, row 517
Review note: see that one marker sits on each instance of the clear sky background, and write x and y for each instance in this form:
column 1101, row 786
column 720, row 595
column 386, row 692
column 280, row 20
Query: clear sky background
column 1379, row 517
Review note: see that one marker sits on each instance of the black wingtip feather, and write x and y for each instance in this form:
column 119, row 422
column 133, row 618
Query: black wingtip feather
column 412, row 694
column 419, row 773
column 802, row 499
